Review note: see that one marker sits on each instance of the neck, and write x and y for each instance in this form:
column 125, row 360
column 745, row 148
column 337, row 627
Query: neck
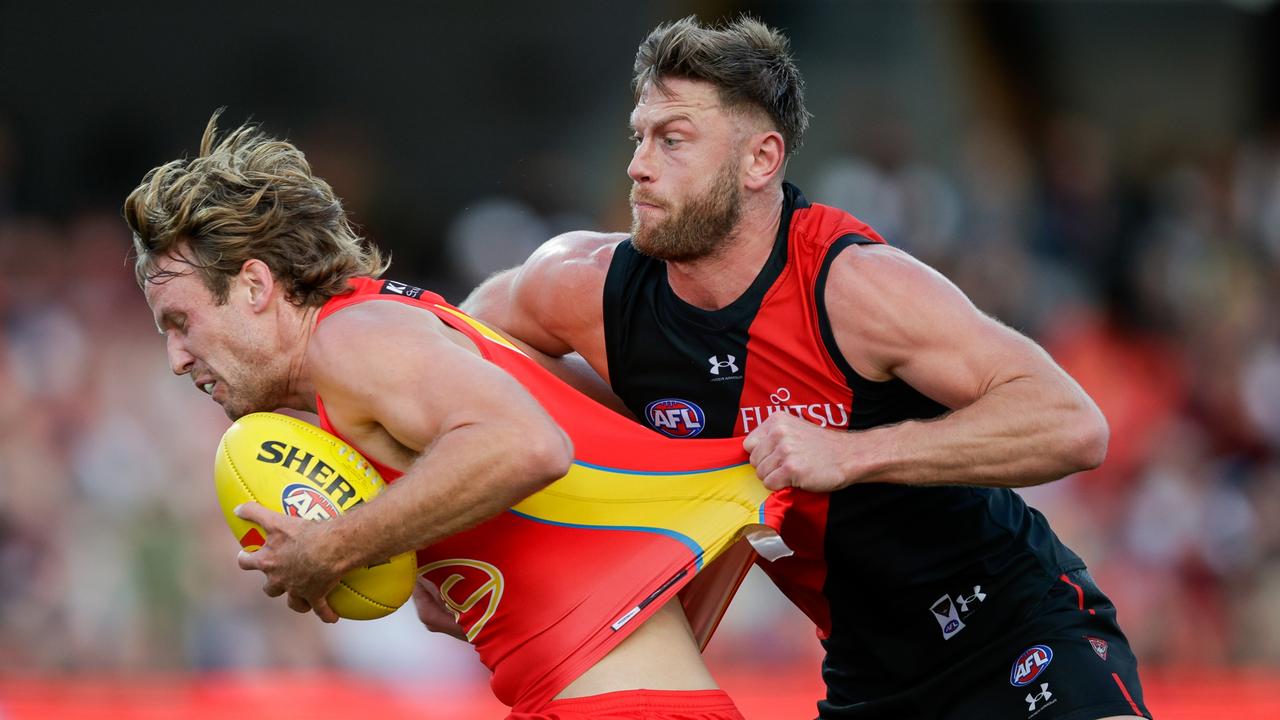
column 715, row 281
column 299, row 390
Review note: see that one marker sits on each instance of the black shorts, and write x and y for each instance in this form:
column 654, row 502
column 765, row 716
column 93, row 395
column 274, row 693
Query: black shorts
column 1067, row 661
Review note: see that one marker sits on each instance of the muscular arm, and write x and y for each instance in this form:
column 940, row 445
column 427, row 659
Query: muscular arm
column 1016, row 418
column 471, row 440
column 555, row 301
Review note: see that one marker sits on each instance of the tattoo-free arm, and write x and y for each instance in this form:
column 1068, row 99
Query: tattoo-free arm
column 1016, row 418
column 554, row 302
column 482, row 444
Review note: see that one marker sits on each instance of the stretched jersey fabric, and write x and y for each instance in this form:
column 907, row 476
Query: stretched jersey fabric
column 551, row 586
column 901, row 581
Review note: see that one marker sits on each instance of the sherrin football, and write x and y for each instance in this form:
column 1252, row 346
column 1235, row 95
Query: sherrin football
column 293, row 467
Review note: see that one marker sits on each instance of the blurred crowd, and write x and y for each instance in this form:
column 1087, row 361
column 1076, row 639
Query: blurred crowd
column 1154, row 284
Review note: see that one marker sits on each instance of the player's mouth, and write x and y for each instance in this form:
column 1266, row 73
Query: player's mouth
column 207, row 385
column 644, row 212
column 642, row 201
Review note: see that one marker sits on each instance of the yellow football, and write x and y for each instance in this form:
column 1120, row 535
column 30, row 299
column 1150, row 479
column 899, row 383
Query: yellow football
column 295, row 468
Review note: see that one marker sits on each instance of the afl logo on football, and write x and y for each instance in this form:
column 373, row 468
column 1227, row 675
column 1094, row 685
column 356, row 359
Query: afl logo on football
column 676, row 418
column 307, row 503
column 1030, row 664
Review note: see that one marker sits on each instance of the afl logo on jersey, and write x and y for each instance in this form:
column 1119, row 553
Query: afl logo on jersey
column 1030, row 664
column 674, row 417
column 307, row 503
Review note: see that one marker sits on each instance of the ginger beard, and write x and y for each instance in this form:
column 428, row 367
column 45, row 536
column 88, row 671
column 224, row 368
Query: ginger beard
column 697, row 228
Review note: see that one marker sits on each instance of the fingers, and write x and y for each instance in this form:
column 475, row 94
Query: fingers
column 323, row 611
column 299, row 604
column 258, row 561
column 296, row 603
column 432, row 611
column 775, row 470
column 430, row 589
column 425, row 591
column 269, row 560
column 248, row 561
column 770, row 449
column 770, row 472
column 256, row 513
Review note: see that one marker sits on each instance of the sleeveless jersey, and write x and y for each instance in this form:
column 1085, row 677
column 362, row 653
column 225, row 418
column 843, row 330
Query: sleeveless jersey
column 901, row 581
column 549, row 587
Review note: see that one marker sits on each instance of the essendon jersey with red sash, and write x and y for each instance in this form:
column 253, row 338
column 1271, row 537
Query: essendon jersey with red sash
column 549, row 587
column 900, row 580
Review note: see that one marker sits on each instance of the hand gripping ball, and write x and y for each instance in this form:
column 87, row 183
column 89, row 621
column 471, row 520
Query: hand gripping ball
column 293, row 467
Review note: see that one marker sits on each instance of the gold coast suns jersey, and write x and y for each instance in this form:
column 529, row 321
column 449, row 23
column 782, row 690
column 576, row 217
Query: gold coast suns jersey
column 549, row 587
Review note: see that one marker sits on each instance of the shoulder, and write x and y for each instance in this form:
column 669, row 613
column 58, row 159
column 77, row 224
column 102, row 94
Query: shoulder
column 892, row 306
column 876, row 273
column 358, row 335
column 567, row 267
column 575, row 253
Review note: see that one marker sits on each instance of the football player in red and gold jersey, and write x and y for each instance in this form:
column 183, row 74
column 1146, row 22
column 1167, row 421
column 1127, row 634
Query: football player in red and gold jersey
column 557, row 530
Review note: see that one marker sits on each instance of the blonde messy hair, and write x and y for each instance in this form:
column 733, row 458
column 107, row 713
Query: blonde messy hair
column 247, row 196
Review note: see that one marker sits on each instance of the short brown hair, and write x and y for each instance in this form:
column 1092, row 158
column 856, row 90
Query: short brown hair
column 247, row 196
column 748, row 62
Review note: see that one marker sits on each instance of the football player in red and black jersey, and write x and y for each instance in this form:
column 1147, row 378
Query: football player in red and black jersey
column 900, row 414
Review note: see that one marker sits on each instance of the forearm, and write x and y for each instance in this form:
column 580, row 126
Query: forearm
column 470, row 475
column 1016, row 435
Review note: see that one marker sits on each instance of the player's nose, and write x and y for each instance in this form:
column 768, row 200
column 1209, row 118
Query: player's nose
column 641, row 168
column 180, row 360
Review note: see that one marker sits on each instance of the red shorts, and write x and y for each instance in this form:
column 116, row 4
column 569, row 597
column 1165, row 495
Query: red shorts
column 639, row 705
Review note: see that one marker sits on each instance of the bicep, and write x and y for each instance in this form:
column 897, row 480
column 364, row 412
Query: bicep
column 906, row 320
column 414, row 382
column 511, row 301
column 555, row 301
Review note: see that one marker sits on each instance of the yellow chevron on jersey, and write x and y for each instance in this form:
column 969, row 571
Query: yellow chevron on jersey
column 702, row 509
column 481, row 328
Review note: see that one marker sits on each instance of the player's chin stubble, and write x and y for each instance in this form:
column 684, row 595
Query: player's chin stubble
column 250, row 392
column 698, row 228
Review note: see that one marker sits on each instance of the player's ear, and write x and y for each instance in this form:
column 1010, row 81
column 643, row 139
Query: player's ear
column 256, row 281
column 767, row 158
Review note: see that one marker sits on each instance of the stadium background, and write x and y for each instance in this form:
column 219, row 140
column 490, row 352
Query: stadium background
column 1103, row 176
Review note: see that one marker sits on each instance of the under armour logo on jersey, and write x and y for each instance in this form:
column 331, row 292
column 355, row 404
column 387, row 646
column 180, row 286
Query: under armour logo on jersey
column 963, row 601
column 1044, row 694
column 717, row 364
